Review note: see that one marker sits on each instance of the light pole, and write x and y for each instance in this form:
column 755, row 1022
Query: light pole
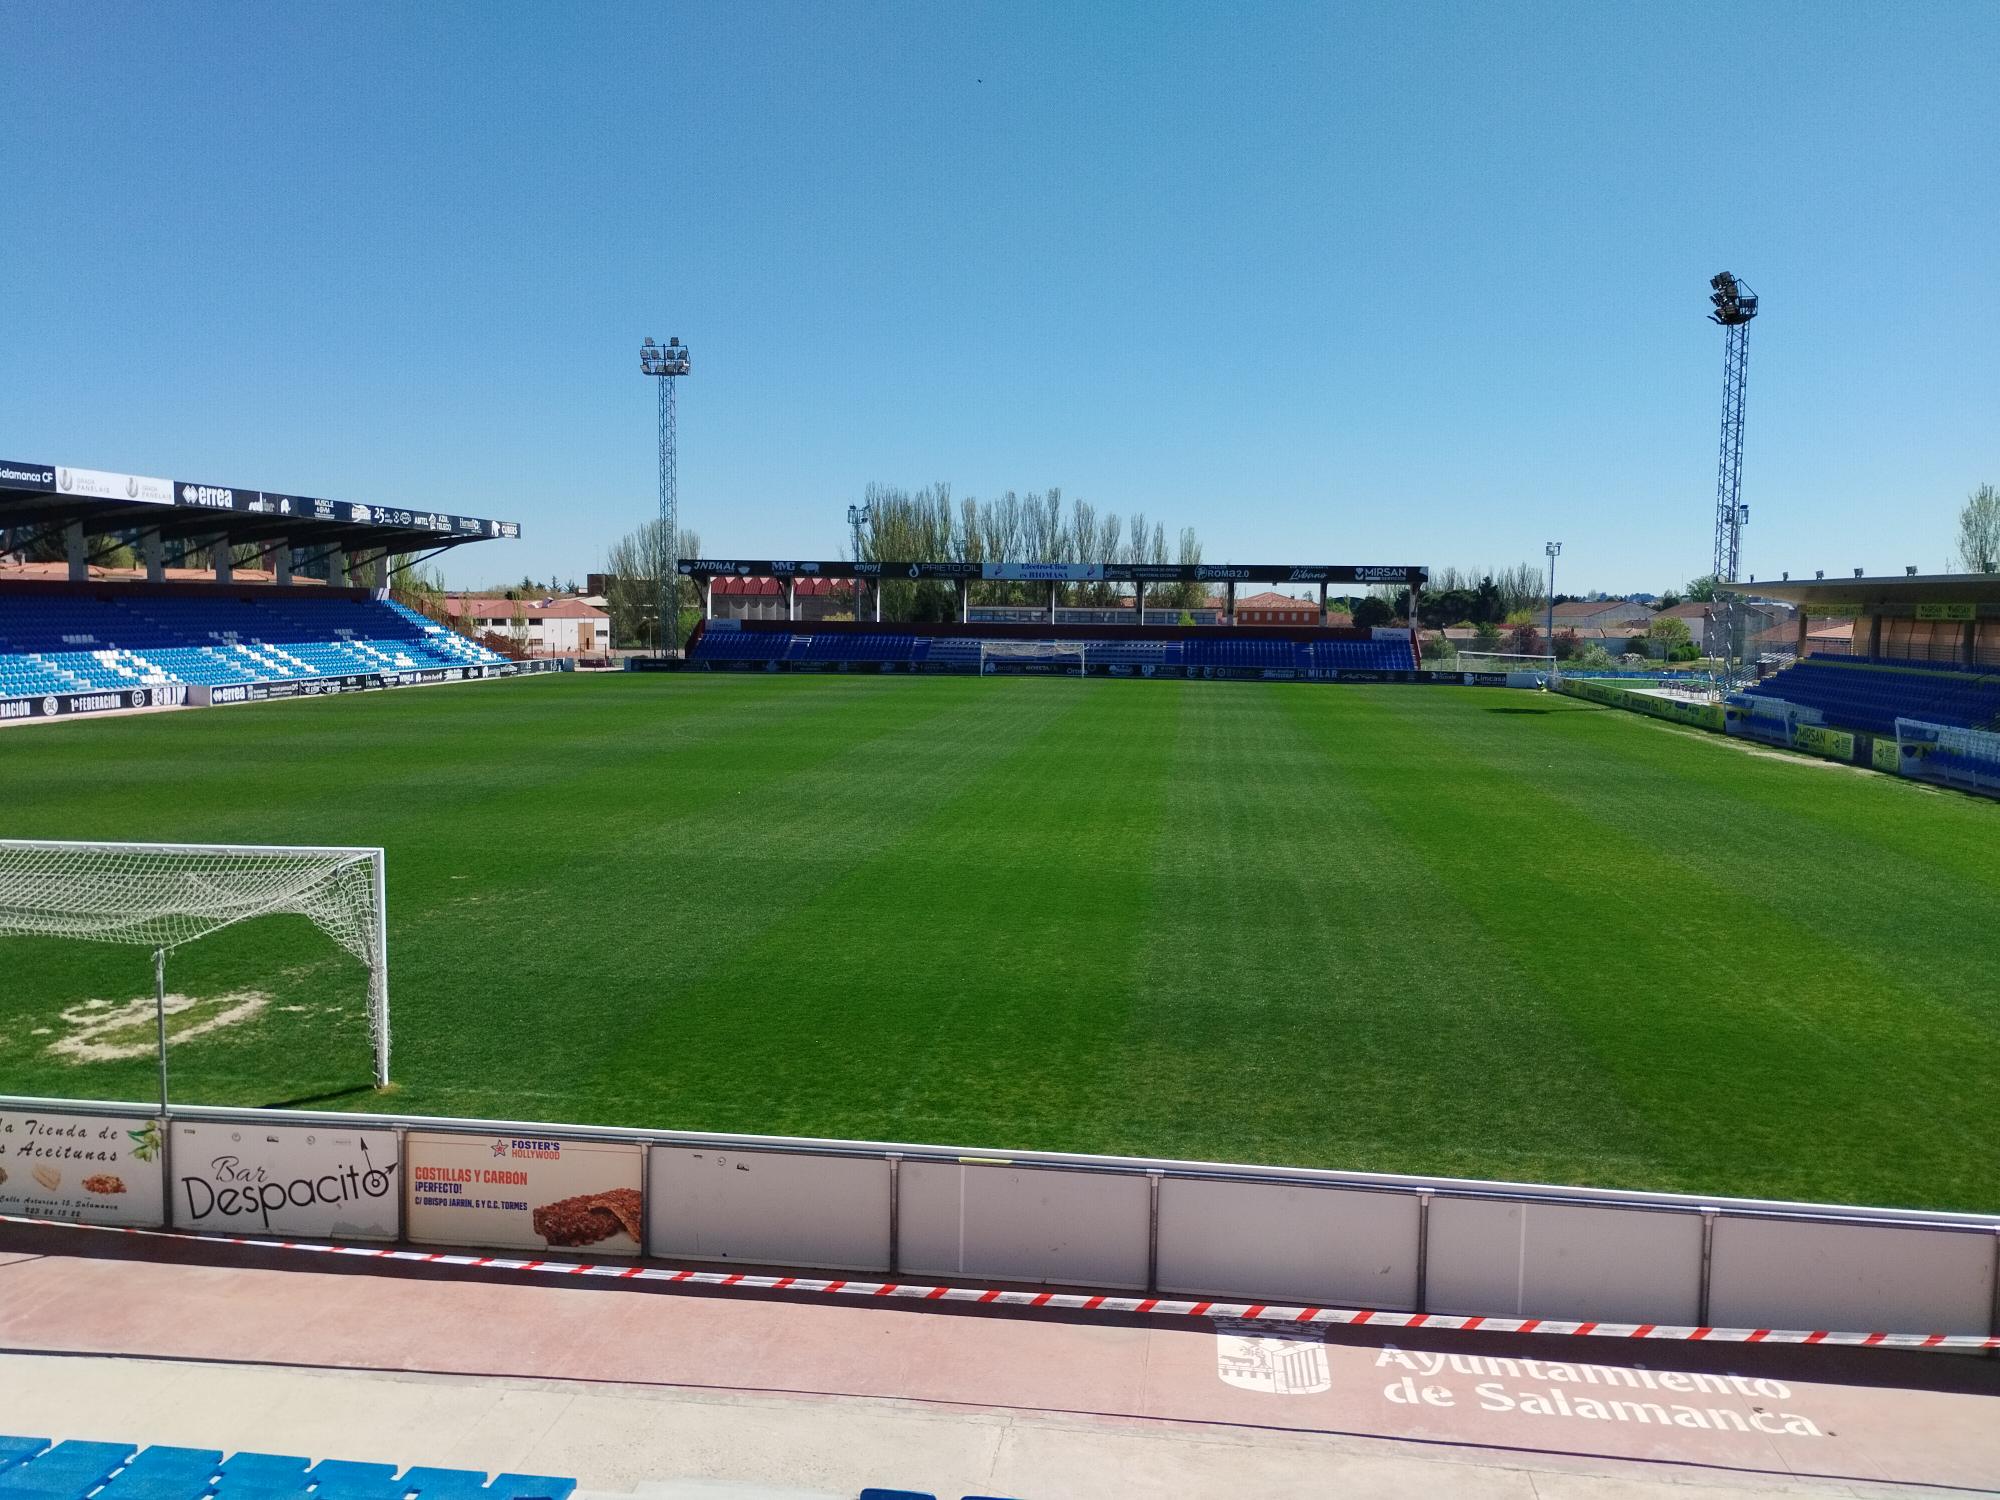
column 858, row 517
column 1554, row 550
column 667, row 362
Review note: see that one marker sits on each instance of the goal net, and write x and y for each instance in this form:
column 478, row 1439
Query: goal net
column 161, row 896
column 1033, row 656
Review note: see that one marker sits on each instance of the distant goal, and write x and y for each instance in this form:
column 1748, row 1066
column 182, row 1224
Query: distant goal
column 1497, row 662
column 162, row 896
column 1070, row 658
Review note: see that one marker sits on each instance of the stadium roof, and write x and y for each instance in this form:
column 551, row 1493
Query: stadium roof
column 1850, row 595
column 52, row 496
column 1052, row 572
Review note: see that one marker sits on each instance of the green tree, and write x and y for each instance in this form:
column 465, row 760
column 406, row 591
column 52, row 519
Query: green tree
column 1701, row 590
column 1372, row 611
column 1978, row 548
column 1486, row 634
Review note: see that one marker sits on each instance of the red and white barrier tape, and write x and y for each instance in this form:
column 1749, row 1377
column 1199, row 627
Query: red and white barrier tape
column 1259, row 1312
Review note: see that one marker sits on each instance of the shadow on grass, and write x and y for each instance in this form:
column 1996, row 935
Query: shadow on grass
column 306, row 1101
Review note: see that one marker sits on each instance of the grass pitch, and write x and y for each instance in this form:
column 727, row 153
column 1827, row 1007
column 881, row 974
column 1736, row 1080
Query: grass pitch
column 1392, row 928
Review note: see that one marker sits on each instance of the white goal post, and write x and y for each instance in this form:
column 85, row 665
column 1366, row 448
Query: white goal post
column 161, row 896
column 1070, row 655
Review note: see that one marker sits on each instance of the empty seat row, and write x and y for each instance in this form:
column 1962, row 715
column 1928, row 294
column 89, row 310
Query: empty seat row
column 67, row 644
column 32, row 1468
column 1871, row 696
column 740, row 647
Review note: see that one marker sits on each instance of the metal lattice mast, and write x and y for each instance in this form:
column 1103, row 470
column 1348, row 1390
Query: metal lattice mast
column 1734, row 306
column 667, row 362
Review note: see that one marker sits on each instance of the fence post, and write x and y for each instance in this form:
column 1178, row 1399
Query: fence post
column 1423, row 1249
column 645, row 1200
column 895, row 1212
column 403, row 1188
column 1707, row 1264
column 1153, row 1178
column 1994, row 1330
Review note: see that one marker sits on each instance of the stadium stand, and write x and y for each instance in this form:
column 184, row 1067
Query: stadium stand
column 129, row 637
column 1872, row 693
column 1167, row 651
column 31, row 1468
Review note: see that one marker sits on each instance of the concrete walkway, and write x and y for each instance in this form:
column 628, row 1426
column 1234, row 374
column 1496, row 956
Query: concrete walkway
column 623, row 1385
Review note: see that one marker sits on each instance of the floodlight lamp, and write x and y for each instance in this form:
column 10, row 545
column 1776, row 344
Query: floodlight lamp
column 1857, row 572
column 1910, row 570
column 1733, row 301
column 1819, row 572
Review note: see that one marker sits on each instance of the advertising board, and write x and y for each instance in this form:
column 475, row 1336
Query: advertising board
column 1044, row 572
column 132, row 489
column 523, row 1193
column 294, row 1180
column 20, row 476
column 56, row 705
column 85, row 1169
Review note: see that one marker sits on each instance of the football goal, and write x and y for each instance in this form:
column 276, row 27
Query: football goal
column 162, row 896
column 1033, row 656
column 1496, row 661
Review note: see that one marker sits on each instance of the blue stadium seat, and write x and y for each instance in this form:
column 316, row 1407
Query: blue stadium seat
column 68, row 1471
column 529, row 1487
column 445, row 1484
column 1871, row 694
column 873, row 1493
column 267, row 1471
column 14, row 1450
column 164, row 1473
column 121, row 640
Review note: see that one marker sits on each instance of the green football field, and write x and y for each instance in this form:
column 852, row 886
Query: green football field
column 1470, row 932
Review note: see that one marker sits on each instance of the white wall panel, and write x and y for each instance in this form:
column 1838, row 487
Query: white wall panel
column 1559, row 1260
column 1006, row 1223
column 1855, row 1278
column 769, row 1208
column 1278, row 1242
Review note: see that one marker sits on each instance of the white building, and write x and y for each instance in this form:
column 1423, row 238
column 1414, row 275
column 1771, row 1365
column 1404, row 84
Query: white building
column 547, row 627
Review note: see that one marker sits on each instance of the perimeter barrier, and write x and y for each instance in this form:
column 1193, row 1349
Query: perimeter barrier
column 1426, row 1245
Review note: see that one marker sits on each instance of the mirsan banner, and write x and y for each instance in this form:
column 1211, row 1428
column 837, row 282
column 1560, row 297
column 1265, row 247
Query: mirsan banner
column 291, row 1180
column 85, row 1169
column 523, row 1193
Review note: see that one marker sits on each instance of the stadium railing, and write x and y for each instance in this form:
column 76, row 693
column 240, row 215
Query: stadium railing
column 1158, row 1227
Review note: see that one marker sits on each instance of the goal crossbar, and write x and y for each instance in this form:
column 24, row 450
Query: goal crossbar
column 162, row 896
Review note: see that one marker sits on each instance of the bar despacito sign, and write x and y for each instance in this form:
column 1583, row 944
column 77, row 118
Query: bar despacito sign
column 523, row 1192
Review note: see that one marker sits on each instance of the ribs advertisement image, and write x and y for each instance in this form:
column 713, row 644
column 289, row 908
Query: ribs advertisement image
column 523, row 1193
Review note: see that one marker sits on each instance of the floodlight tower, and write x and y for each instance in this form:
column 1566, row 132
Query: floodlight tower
column 1554, row 550
column 1734, row 306
column 667, row 362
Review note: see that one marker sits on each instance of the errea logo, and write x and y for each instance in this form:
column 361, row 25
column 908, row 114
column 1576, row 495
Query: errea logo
column 207, row 494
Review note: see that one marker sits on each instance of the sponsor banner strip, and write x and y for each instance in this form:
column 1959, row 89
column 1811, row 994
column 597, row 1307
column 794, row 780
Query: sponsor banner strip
column 1255, row 1312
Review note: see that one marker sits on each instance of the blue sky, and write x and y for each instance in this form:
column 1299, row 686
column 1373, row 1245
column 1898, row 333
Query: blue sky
column 1369, row 284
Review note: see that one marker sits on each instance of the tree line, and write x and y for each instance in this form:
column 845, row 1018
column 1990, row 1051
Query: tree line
column 929, row 525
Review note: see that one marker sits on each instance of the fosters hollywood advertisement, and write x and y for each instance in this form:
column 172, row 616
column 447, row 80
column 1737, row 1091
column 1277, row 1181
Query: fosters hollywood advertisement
column 242, row 1179
column 86, row 1169
column 523, row 1193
